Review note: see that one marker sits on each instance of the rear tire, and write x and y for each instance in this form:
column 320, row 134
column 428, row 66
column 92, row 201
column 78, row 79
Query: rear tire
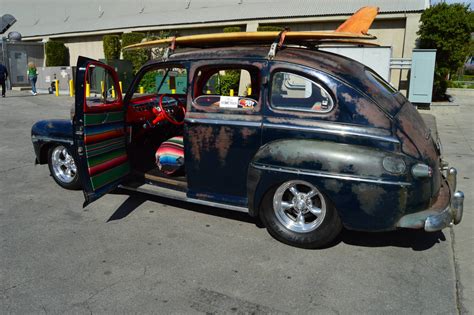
column 63, row 167
column 298, row 214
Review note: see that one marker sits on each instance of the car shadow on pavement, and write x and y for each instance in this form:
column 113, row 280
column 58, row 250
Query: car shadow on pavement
column 418, row 240
column 135, row 199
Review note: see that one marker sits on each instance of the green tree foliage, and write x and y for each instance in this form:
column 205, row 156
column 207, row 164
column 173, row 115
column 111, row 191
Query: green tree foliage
column 232, row 29
column 137, row 57
column 57, row 54
column 447, row 28
column 112, row 47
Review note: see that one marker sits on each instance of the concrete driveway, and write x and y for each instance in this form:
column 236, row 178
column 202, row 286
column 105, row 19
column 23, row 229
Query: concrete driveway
column 130, row 252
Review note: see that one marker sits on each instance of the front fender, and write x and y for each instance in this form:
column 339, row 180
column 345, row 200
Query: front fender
column 46, row 132
column 366, row 196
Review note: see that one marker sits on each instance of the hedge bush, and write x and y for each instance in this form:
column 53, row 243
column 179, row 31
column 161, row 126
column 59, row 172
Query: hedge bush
column 112, row 47
column 232, row 29
column 269, row 28
column 229, row 80
column 137, row 57
column 57, row 54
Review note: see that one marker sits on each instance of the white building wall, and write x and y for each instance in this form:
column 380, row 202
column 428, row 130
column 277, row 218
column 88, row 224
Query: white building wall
column 88, row 46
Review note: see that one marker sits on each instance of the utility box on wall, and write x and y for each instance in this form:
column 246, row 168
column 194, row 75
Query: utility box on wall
column 376, row 58
column 124, row 69
column 47, row 76
column 422, row 76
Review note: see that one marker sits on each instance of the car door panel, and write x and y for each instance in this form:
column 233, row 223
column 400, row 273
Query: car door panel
column 99, row 132
column 219, row 146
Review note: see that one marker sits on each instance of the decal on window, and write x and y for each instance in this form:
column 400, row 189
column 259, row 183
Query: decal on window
column 229, row 102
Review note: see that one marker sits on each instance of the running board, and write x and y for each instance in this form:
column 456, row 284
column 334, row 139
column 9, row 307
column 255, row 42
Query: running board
column 180, row 195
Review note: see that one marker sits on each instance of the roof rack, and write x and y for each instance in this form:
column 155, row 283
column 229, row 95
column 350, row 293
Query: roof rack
column 170, row 49
column 278, row 43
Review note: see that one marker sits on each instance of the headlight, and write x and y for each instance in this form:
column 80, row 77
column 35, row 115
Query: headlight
column 394, row 165
column 421, row 170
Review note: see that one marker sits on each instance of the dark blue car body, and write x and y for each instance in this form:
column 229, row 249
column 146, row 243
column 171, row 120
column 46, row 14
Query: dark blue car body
column 233, row 159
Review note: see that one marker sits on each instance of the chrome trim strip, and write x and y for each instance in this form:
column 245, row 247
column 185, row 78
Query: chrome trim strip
column 326, row 175
column 223, row 122
column 181, row 196
column 332, row 131
column 44, row 138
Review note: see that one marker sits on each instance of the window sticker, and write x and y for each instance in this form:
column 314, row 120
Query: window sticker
column 229, row 102
column 247, row 103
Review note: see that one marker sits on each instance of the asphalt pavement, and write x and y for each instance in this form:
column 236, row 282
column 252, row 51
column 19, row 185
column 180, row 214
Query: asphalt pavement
column 134, row 253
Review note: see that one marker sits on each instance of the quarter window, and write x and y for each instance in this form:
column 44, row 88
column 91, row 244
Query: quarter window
column 295, row 92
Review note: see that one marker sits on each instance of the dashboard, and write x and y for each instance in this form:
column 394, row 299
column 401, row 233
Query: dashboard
column 140, row 109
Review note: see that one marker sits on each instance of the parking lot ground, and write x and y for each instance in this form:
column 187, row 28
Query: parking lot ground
column 456, row 128
column 130, row 252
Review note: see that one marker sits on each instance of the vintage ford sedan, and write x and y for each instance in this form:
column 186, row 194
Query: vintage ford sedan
column 308, row 141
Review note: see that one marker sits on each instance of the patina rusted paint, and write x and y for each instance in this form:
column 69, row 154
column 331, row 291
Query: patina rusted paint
column 367, row 124
column 365, row 109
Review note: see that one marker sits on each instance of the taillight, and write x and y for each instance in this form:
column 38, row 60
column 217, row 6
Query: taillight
column 422, row 170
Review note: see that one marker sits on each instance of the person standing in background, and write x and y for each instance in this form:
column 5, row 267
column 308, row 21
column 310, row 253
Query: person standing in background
column 3, row 78
column 32, row 76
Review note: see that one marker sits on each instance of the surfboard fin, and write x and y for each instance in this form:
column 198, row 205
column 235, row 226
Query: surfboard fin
column 359, row 22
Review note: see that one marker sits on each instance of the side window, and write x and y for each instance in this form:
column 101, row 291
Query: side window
column 162, row 81
column 227, row 88
column 295, row 92
column 100, row 88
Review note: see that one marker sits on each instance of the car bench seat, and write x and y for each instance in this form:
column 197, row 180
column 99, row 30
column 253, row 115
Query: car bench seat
column 170, row 156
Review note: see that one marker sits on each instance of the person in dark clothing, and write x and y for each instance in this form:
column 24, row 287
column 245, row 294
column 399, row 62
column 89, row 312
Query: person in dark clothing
column 3, row 78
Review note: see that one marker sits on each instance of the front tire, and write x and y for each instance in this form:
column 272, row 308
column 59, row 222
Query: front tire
column 63, row 168
column 298, row 214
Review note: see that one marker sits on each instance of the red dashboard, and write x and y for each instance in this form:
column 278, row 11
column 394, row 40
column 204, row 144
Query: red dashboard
column 140, row 109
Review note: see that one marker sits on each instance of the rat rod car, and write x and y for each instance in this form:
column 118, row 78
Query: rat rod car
column 311, row 141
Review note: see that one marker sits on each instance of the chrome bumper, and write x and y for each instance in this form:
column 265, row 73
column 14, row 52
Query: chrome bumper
column 451, row 214
column 439, row 216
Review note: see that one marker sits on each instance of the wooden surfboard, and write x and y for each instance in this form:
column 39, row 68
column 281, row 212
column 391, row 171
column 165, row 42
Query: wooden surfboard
column 352, row 31
column 247, row 38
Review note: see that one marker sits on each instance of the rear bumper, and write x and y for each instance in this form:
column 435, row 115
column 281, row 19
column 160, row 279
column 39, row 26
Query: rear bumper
column 447, row 209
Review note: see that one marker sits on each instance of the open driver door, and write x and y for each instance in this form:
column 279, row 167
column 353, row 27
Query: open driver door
column 99, row 129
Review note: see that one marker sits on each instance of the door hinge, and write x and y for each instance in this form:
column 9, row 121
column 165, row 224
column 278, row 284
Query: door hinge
column 80, row 131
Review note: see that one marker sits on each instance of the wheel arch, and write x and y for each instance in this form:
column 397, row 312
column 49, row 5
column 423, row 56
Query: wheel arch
column 352, row 177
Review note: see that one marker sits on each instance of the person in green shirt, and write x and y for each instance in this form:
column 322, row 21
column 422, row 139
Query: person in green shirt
column 32, row 76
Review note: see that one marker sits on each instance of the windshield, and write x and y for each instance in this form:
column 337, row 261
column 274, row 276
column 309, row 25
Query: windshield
column 172, row 80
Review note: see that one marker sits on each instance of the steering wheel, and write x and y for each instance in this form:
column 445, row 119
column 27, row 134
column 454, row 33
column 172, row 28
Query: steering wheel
column 163, row 114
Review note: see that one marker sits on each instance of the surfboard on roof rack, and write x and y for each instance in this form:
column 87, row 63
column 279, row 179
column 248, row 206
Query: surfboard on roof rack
column 353, row 31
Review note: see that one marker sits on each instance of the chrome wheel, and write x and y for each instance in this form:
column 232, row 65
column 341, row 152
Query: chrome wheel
column 299, row 206
column 63, row 165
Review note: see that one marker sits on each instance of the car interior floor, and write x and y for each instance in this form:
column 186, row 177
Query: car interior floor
column 143, row 161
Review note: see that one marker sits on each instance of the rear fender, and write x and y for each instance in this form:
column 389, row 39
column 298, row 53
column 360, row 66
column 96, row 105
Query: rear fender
column 366, row 196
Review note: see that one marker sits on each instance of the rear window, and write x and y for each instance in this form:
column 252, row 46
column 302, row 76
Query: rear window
column 385, row 95
column 386, row 86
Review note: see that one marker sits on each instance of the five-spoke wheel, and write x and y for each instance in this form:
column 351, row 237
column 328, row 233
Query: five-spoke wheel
column 299, row 214
column 63, row 167
column 299, row 206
